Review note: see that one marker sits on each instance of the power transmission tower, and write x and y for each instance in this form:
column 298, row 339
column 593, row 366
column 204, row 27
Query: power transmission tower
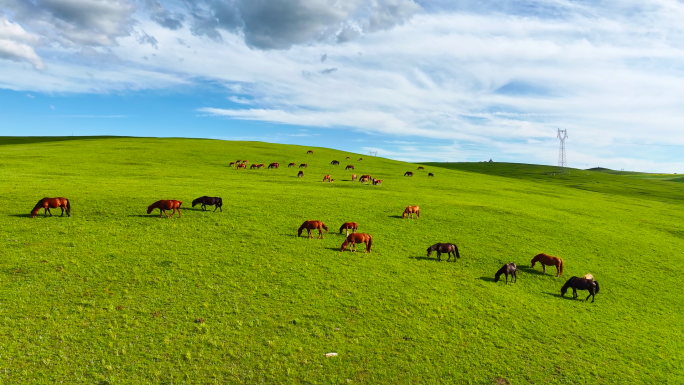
column 373, row 153
column 562, row 162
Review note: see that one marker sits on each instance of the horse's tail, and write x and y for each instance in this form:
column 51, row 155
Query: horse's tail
column 219, row 201
column 560, row 267
column 597, row 287
column 456, row 250
column 418, row 213
column 68, row 206
column 370, row 243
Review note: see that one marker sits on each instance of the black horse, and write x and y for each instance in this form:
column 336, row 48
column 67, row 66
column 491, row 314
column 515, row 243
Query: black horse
column 211, row 201
column 335, row 162
column 440, row 248
column 509, row 268
column 431, row 175
column 577, row 283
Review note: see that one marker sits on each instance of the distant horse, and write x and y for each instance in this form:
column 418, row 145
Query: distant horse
column 326, row 178
column 355, row 238
column 368, row 177
column 440, row 248
column 360, row 159
column 353, row 177
column 300, row 174
column 52, row 203
column 232, row 164
column 431, row 175
column 548, row 260
column 348, row 157
column 238, row 161
column 253, row 166
column 274, row 165
column 261, row 165
column 241, row 165
column 349, row 226
column 164, row 205
column 309, row 152
column 292, row 165
column 312, row 225
column 245, row 161
column 363, row 179
column 509, row 268
column 331, row 180
column 335, row 163
column 211, row 201
column 303, row 165
column 408, row 173
column 349, row 167
column 410, row 211
column 421, row 168
column 577, row 283
column 377, row 182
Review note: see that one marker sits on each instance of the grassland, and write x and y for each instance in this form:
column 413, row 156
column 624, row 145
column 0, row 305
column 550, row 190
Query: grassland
column 112, row 295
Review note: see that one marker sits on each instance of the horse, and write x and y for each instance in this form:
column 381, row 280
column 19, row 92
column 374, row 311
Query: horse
column 312, row 225
column 335, row 163
column 360, row 159
column 363, row 179
column 241, row 165
column 164, row 205
column 577, row 283
column 408, row 173
column 421, row 168
column 368, row 177
column 355, row 238
column 349, row 167
column 353, row 177
column 326, row 178
column 303, row 165
column 377, row 182
column 548, row 260
column 431, row 175
column 411, row 210
column 440, row 248
column 238, row 161
column 349, row 226
column 300, row 174
column 331, row 180
column 245, row 161
column 232, row 164
column 349, row 157
column 292, row 165
column 211, row 201
column 253, row 166
column 52, row 203
column 261, row 165
column 309, row 152
column 509, row 268
column 274, row 165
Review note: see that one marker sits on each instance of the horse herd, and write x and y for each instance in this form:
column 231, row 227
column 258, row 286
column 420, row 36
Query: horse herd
column 351, row 239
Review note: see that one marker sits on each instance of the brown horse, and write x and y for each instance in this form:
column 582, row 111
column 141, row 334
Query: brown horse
column 355, row 238
column 440, row 248
column 238, row 161
column 421, row 168
column 349, row 226
column 300, row 174
column 241, row 165
column 245, row 161
column 335, row 163
column 312, row 225
column 253, row 166
column 363, row 179
column 349, row 157
column 309, row 152
column 52, row 203
column 326, row 178
column 410, row 211
column 548, row 260
column 164, row 205
column 274, row 165
column 232, row 164
column 408, row 173
column 349, row 167
column 368, row 177
column 360, row 159
column 303, row 165
column 261, row 165
column 292, row 165
column 353, row 177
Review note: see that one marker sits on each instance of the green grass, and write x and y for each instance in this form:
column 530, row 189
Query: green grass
column 112, row 295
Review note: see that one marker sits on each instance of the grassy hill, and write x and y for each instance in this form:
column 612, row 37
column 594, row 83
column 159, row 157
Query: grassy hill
column 113, row 295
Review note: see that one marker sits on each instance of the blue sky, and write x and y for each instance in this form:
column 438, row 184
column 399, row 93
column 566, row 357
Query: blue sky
column 414, row 80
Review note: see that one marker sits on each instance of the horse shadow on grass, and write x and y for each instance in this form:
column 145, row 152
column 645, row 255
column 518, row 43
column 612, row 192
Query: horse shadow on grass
column 427, row 259
column 530, row 270
column 487, row 279
column 22, row 215
column 557, row 295
column 395, row 216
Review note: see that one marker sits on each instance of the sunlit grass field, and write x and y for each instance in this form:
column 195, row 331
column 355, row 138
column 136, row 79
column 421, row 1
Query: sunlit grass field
column 113, row 295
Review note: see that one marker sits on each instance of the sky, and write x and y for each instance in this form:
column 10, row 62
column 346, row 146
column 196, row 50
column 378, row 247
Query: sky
column 413, row 80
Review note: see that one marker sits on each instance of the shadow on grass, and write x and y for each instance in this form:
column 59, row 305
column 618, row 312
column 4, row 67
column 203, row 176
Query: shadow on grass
column 151, row 216
column 427, row 259
column 530, row 270
column 487, row 279
column 395, row 216
column 23, row 215
column 557, row 295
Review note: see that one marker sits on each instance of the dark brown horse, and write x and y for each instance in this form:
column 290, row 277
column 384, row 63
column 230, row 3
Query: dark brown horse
column 548, row 260
column 312, row 225
column 360, row 159
column 303, row 165
column 349, row 167
column 368, row 177
column 410, row 211
column 164, row 205
column 309, row 152
column 363, row 179
column 377, row 182
column 253, row 166
column 300, row 174
column 261, row 165
column 349, row 226
column 440, row 248
column 431, row 175
column 349, row 157
column 274, row 165
column 52, row 203
column 232, row 164
column 421, row 168
column 577, row 283
column 408, row 173
column 335, row 163
column 241, row 165
column 292, row 165
column 355, row 238
column 245, row 161
column 211, row 201
column 509, row 268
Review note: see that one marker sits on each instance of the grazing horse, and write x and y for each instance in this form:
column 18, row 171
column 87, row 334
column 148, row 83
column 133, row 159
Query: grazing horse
column 349, row 226
column 211, row 201
column 274, row 165
column 355, row 238
column 421, row 168
column 312, row 225
column 431, row 175
column 52, row 203
column 326, row 178
column 253, row 166
column 408, row 173
column 303, row 165
column 509, row 268
column 261, row 165
column 548, row 260
column 440, row 248
column 164, row 205
column 232, row 164
column 292, row 165
column 335, row 163
column 368, row 177
column 238, row 161
column 353, row 177
column 245, row 161
column 363, row 179
column 300, row 174
column 309, row 152
column 360, row 159
column 349, row 157
column 241, row 165
column 349, row 167
column 410, row 211
column 377, row 181
column 577, row 283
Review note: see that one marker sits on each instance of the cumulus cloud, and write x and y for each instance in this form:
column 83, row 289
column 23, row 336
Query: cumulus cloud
column 164, row 17
column 11, row 50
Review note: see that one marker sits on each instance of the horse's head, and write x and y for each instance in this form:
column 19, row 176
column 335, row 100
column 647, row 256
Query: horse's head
column 196, row 202
column 564, row 290
column 534, row 260
column 429, row 250
column 34, row 212
column 324, row 227
column 497, row 276
column 150, row 208
column 344, row 245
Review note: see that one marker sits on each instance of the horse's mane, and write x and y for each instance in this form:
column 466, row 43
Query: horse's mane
column 39, row 202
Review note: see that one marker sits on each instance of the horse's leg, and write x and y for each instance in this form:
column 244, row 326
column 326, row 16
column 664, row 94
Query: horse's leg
column 215, row 207
column 507, row 278
column 439, row 256
column 557, row 269
column 179, row 213
column 544, row 267
column 62, row 208
column 50, row 212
